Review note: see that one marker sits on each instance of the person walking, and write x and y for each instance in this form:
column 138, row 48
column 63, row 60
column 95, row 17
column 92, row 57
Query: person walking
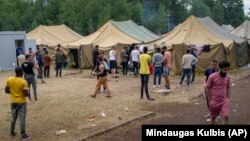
column 187, row 61
column 157, row 64
column 29, row 75
column 102, row 78
column 145, row 61
column 17, row 87
column 218, row 88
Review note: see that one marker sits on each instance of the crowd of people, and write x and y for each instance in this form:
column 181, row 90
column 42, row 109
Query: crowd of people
column 216, row 82
column 30, row 67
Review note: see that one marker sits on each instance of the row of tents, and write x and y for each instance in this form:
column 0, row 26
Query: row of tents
column 195, row 32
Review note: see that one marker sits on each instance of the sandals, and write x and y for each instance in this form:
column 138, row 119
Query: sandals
column 93, row 96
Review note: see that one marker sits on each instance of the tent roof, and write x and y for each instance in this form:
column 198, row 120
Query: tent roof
column 132, row 29
column 216, row 29
column 227, row 27
column 112, row 36
column 53, row 35
column 150, row 32
column 113, row 33
column 243, row 30
column 192, row 31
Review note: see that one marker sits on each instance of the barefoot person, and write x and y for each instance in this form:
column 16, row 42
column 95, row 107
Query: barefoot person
column 102, row 78
column 17, row 87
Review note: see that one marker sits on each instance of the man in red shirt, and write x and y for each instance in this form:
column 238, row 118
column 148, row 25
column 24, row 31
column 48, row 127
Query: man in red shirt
column 218, row 86
column 46, row 60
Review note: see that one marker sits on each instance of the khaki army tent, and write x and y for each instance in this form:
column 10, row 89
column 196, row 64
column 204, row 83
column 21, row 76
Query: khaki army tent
column 51, row 36
column 237, row 54
column 111, row 34
column 243, row 30
column 194, row 32
column 228, row 27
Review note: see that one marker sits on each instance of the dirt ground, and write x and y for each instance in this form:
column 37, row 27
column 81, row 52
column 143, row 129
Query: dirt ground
column 65, row 104
column 187, row 114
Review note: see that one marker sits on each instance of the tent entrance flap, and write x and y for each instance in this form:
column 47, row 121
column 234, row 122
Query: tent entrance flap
column 74, row 62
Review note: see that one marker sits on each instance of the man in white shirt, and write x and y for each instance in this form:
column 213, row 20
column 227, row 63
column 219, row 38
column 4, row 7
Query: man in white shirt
column 134, row 57
column 187, row 61
column 113, row 64
column 21, row 58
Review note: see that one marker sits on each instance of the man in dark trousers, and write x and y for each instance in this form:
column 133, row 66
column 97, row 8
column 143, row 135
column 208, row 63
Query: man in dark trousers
column 145, row 61
column 39, row 59
column 59, row 60
column 29, row 76
column 46, row 60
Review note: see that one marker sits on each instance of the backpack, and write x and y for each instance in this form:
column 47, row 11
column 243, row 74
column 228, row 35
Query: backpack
column 106, row 65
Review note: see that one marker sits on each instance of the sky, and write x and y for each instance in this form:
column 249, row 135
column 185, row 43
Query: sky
column 246, row 6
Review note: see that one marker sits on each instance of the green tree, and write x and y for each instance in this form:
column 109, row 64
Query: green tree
column 12, row 13
column 120, row 10
column 247, row 17
column 179, row 11
column 136, row 9
column 210, row 3
column 234, row 12
column 200, row 9
column 70, row 14
column 218, row 13
column 52, row 10
column 161, row 20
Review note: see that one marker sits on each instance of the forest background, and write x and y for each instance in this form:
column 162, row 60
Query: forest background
column 86, row 16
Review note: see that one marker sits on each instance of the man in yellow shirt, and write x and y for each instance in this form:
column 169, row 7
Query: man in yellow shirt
column 145, row 61
column 17, row 87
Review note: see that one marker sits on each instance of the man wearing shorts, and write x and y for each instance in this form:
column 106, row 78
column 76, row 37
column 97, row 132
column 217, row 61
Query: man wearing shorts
column 218, row 86
column 166, row 66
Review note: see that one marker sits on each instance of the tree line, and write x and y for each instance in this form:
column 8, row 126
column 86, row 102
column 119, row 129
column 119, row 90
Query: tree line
column 86, row 16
